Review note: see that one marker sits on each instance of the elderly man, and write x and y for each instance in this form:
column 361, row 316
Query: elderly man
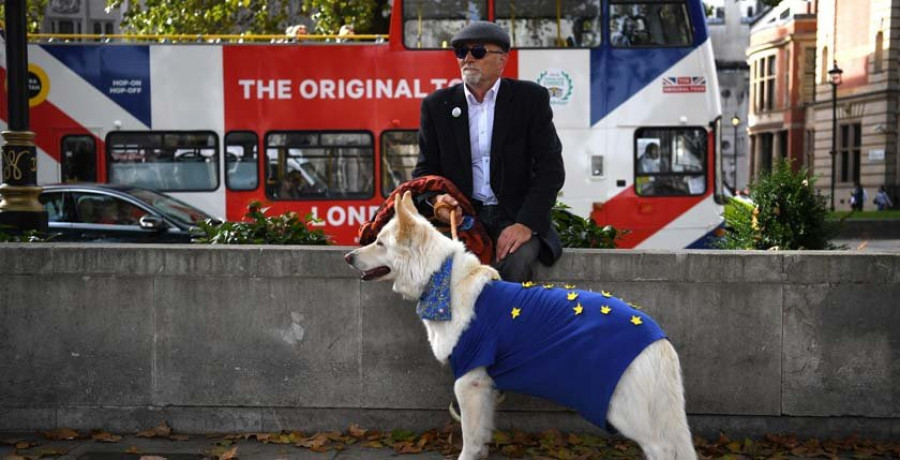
column 494, row 139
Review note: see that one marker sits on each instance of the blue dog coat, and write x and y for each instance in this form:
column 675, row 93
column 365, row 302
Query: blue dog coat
column 568, row 346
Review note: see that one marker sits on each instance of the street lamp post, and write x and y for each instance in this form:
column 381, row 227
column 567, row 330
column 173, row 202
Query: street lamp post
column 835, row 79
column 735, row 122
column 20, row 209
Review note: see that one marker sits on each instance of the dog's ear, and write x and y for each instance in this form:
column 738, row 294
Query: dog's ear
column 404, row 209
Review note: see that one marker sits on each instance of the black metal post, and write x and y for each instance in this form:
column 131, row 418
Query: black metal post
column 20, row 208
column 833, row 139
column 734, row 152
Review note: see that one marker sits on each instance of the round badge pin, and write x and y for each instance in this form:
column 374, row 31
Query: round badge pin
column 456, row 112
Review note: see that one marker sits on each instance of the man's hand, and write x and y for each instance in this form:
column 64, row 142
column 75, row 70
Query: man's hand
column 511, row 238
column 442, row 212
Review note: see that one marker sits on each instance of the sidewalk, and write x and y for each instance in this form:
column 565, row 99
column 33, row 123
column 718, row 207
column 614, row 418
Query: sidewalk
column 19, row 446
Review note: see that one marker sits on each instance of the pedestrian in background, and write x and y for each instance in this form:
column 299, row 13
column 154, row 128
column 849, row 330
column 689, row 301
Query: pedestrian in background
column 858, row 197
column 883, row 200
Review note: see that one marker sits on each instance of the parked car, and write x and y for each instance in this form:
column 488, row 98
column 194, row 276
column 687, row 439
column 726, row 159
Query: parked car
column 117, row 213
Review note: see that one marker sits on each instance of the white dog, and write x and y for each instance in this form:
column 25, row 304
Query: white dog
column 588, row 351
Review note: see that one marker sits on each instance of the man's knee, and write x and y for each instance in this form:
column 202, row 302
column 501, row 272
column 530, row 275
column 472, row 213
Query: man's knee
column 519, row 266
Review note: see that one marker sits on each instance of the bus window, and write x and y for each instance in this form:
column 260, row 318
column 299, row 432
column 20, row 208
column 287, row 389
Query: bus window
column 169, row 161
column 649, row 24
column 79, row 159
column 670, row 161
column 550, row 24
column 431, row 24
column 311, row 165
column 241, row 165
column 399, row 154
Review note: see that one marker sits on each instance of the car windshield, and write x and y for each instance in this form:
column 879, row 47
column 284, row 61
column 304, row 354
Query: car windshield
column 172, row 208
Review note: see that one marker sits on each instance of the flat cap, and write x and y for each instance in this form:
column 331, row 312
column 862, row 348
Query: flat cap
column 482, row 31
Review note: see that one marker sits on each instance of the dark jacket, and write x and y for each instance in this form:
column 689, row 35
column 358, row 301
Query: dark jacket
column 527, row 168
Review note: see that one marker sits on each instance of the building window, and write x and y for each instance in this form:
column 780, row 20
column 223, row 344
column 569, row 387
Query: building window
column 103, row 27
column 560, row 24
column 305, row 165
column 879, row 52
column 764, row 84
column 399, row 155
column 766, row 147
column 670, row 161
column 809, row 75
column 849, row 151
column 167, row 161
column 65, row 26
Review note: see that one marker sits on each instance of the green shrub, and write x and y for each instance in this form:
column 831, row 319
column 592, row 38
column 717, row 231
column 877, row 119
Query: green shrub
column 578, row 232
column 28, row 236
column 785, row 212
column 260, row 229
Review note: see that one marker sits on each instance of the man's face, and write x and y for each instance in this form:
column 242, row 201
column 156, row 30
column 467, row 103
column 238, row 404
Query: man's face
column 482, row 73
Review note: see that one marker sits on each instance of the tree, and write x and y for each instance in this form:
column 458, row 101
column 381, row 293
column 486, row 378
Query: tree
column 204, row 16
column 330, row 15
column 34, row 15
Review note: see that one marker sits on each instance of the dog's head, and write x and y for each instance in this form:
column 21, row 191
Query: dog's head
column 407, row 251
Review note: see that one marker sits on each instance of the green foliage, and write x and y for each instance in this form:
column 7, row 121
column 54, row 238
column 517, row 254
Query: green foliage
column 34, row 15
column 330, row 15
column 28, row 236
column 578, row 232
column 785, row 213
column 204, row 16
column 260, row 229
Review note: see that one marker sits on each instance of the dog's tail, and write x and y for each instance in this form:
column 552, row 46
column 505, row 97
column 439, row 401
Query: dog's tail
column 454, row 413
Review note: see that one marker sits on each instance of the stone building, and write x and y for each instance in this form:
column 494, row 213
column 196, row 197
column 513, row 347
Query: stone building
column 782, row 60
column 729, row 30
column 861, row 37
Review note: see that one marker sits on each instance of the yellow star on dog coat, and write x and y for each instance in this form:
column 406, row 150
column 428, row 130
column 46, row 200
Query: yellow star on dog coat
column 578, row 308
column 569, row 286
column 516, row 312
column 636, row 320
column 605, row 309
column 572, row 295
column 548, row 285
column 528, row 284
column 606, row 294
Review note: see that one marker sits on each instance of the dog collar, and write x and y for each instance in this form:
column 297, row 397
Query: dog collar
column 434, row 304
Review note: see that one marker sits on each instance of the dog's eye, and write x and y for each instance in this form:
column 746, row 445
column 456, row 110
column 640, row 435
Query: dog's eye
column 378, row 243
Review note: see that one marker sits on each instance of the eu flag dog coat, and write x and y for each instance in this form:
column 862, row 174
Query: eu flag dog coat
column 568, row 346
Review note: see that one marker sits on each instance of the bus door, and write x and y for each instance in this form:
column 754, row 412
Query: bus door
column 78, row 154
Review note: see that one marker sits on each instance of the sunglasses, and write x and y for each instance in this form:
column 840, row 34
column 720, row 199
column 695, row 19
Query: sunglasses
column 478, row 51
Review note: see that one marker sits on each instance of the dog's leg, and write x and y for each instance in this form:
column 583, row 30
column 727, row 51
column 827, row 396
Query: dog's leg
column 475, row 393
column 648, row 405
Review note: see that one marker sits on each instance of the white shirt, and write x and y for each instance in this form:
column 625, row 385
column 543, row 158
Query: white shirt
column 481, row 130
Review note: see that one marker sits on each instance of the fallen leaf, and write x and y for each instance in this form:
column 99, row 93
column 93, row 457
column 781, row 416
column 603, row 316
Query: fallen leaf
column 355, row 431
column 161, row 430
column 229, row 454
column 62, row 434
column 103, row 436
column 25, row 444
column 132, row 450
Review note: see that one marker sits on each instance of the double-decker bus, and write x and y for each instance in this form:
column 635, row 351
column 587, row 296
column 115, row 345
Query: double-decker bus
column 329, row 128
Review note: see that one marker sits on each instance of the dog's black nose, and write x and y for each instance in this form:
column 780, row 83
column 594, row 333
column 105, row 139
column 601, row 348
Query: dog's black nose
column 348, row 257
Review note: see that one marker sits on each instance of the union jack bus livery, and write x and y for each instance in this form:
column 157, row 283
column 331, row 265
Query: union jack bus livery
column 329, row 128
